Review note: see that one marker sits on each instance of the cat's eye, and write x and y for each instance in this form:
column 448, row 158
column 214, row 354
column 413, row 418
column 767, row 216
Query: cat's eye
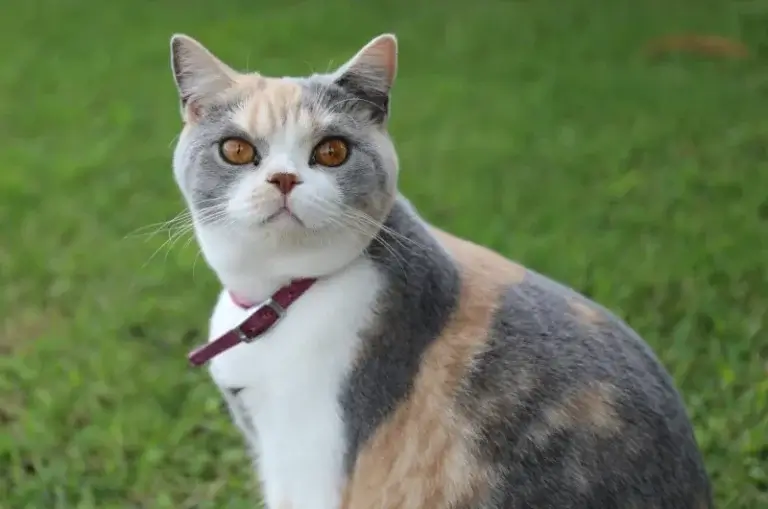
column 330, row 152
column 238, row 151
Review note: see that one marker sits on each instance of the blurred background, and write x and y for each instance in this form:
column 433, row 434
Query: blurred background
column 610, row 145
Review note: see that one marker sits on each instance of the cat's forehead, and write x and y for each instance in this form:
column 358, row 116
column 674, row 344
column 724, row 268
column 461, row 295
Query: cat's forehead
column 270, row 105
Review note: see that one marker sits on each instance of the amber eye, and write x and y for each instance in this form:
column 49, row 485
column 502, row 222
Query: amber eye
column 331, row 152
column 237, row 151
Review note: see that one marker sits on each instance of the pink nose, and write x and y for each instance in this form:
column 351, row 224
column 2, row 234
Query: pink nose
column 284, row 181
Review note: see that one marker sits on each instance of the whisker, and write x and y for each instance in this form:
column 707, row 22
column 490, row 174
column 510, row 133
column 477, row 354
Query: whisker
column 396, row 236
column 174, row 140
column 348, row 222
column 180, row 218
column 365, row 225
column 169, row 243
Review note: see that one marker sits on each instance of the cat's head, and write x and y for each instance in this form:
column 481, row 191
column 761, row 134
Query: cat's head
column 294, row 169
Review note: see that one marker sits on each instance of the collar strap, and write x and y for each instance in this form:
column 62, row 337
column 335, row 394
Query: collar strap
column 262, row 317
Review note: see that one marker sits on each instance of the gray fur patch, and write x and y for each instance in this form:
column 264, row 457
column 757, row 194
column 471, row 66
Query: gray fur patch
column 349, row 102
column 363, row 180
column 419, row 299
column 208, row 179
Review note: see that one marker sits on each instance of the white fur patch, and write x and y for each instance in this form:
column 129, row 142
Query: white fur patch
column 292, row 377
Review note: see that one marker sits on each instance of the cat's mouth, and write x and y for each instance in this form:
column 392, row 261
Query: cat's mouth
column 282, row 214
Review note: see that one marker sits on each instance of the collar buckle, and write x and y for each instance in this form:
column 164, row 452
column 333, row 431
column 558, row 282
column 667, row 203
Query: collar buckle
column 261, row 318
column 270, row 303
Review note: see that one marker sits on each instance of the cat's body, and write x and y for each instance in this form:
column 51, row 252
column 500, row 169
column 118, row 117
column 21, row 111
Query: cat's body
column 420, row 370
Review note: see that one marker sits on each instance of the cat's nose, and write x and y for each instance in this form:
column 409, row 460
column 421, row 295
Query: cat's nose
column 285, row 182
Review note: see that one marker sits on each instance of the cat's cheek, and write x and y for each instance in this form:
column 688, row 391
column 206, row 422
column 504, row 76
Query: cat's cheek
column 251, row 200
column 238, row 204
column 316, row 202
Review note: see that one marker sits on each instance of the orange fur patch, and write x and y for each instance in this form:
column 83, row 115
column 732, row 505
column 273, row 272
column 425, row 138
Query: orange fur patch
column 480, row 262
column 420, row 457
column 270, row 103
column 591, row 408
column 584, row 312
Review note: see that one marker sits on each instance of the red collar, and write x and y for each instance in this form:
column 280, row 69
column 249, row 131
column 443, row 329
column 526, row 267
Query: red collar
column 263, row 316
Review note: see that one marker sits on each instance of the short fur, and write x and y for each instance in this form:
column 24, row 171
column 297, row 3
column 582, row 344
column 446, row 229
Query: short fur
column 421, row 370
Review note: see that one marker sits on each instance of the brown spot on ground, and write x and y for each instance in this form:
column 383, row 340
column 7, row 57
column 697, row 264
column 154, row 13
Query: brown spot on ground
column 421, row 458
column 589, row 408
column 698, row 44
column 12, row 408
column 22, row 326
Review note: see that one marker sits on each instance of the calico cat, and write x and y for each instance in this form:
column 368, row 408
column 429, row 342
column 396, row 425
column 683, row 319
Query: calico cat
column 372, row 360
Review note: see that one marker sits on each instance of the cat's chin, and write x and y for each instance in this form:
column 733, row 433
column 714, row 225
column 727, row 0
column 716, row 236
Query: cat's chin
column 282, row 232
column 252, row 261
column 282, row 217
column 287, row 219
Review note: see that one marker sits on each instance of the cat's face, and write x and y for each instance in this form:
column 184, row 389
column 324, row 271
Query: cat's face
column 285, row 164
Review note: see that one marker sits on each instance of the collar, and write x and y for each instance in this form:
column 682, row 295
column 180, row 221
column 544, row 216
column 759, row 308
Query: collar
column 261, row 318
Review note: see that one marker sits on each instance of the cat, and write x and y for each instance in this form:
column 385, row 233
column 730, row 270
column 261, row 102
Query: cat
column 391, row 364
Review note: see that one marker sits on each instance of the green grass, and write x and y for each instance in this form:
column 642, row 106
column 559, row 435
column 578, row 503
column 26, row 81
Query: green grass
column 536, row 128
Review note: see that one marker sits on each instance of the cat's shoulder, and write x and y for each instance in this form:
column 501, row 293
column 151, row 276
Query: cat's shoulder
column 532, row 303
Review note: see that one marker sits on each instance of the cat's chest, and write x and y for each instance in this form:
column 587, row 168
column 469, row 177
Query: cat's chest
column 318, row 336
column 291, row 379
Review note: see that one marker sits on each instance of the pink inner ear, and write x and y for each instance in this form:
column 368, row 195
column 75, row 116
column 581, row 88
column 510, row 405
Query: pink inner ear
column 386, row 55
column 381, row 53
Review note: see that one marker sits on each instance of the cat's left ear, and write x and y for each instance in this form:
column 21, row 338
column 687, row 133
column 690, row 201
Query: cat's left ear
column 371, row 73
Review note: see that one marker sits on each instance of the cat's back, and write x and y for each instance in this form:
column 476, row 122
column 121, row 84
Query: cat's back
column 527, row 394
column 569, row 400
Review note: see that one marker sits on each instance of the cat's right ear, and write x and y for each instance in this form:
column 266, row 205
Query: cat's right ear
column 371, row 73
column 200, row 76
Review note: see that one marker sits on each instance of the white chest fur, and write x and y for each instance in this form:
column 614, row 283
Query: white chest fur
column 291, row 377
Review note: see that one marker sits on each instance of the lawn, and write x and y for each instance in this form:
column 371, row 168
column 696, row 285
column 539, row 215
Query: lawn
column 537, row 128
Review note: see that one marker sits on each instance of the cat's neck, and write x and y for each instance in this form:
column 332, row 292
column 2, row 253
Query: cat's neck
column 254, row 275
column 405, row 248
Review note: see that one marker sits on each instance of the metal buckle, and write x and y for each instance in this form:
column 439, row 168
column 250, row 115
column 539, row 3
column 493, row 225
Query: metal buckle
column 269, row 303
